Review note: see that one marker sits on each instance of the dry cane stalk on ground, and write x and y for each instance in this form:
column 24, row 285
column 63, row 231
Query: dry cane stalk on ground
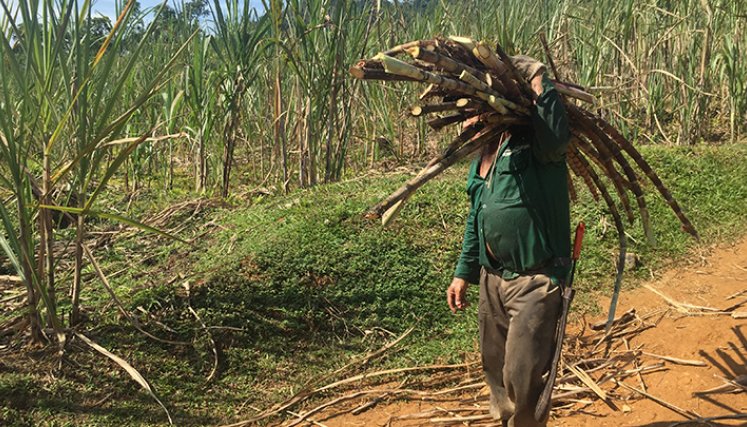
column 586, row 376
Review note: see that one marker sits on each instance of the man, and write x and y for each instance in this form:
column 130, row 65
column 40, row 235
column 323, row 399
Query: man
column 517, row 247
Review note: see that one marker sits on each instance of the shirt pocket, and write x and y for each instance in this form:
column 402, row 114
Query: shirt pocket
column 510, row 170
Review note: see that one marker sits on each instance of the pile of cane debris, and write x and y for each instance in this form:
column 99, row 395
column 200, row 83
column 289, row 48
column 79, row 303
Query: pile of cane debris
column 596, row 366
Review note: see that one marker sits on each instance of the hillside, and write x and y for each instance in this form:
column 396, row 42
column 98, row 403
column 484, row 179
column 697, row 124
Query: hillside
column 283, row 289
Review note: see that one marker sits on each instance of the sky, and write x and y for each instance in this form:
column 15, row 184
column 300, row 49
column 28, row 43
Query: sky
column 107, row 7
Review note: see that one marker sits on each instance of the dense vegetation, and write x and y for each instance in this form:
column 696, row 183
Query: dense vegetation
column 103, row 120
column 290, row 291
column 178, row 94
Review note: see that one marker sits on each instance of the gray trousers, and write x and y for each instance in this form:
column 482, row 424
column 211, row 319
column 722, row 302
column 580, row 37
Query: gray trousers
column 517, row 319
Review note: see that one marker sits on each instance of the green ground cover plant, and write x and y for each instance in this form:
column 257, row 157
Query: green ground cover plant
column 295, row 286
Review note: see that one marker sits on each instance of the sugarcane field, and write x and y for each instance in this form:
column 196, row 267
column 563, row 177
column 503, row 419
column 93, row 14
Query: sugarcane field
column 373, row 213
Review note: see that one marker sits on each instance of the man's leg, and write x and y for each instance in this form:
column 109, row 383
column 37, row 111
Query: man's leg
column 493, row 323
column 533, row 304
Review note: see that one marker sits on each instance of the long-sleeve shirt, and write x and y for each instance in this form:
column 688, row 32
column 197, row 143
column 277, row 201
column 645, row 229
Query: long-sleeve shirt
column 521, row 208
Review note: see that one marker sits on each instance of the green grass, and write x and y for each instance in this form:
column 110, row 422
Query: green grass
column 306, row 283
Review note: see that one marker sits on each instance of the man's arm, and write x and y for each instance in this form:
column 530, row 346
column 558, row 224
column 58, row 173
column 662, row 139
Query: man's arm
column 468, row 267
column 549, row 121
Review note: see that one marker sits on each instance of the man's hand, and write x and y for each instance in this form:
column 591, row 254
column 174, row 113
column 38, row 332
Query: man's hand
column 536, row 83
column 532, row 71
column 456, row 295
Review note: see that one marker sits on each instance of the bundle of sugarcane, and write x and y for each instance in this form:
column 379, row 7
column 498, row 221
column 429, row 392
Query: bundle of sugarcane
column 482, row 91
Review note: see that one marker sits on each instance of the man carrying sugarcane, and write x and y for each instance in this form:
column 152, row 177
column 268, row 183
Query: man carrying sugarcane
column 517, row 247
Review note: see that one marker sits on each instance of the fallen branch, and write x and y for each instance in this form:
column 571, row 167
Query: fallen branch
column 213, row 345
column 134, row 374
column 308, row 391
column 677, row 361
column 684, row 307
column 687, row 414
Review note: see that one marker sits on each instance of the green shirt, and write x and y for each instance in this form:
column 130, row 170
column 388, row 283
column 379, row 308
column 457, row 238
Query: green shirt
column 521, row 209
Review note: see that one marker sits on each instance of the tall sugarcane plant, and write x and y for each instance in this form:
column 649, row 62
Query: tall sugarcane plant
column 238, row 44
column 61, row 120
column 199, row 97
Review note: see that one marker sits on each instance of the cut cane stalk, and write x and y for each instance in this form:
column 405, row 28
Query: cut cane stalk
column 490, row 60
column 459, row 104
column 444, row 62
column 622, row 240
column 425, row 44
column 626, row 146
column 605, row 164
column 572, row 92
column 582, row 173
column 572, row 193
column 440, row 122
column 366, row 73
column 434, row 170
column 401, row 68
column 473, row 81
column 515, row 74
column 494, row 99
column 612, row 149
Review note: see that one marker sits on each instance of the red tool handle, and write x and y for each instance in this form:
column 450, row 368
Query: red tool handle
column 578, row 240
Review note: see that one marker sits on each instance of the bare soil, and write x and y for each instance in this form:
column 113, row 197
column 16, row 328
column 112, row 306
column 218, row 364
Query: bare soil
column 718, row 340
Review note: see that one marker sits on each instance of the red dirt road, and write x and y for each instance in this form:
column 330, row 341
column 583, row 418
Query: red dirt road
column 718, row 340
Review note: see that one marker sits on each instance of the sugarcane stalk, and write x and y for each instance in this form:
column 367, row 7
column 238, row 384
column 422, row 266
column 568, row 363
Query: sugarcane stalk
column 494, row 99
column 483, row 54
column 649, row 172
column 619, row 226
column 515, row 74
column 425, row 44
column 419, row 110
column 490, row 60
column 572, row 193
column 440, row 122
column 476, row 83
column 465, row 42
column 365, row 73
column 444, row 62
column 434, row 170
column 582, row 173
column 463, row 137
column 589, row 144
column 466, row 135
column 498, row 119
column 460, row 104
column 572, row 92
column 604, row 157
column 550, row 61
column 401, row 68
column 634, row 186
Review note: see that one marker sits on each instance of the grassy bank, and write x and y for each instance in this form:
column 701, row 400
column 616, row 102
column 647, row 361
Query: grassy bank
column 295, row 286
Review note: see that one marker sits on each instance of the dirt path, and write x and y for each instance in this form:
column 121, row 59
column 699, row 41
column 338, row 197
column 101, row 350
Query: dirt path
column 718, row 340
